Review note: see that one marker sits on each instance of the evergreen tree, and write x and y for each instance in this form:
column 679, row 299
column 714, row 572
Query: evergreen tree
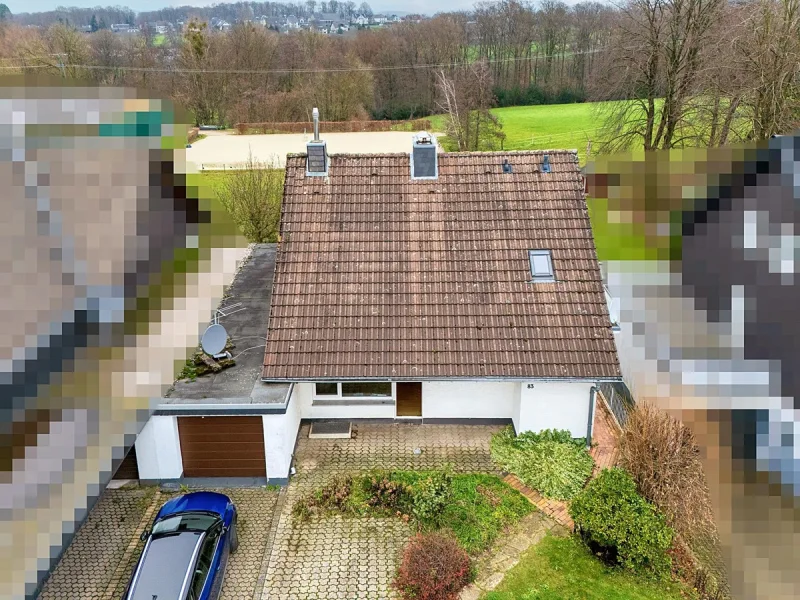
column 93, row 23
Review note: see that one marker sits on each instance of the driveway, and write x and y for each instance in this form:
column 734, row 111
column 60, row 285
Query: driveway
column 99, row 561
column 232, row 150
column 336, row 557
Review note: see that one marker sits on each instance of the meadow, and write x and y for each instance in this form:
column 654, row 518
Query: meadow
column 546, row 126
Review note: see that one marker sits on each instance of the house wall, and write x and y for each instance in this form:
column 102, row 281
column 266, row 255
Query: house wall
column 158, row 449
column 308, row 410
column 469, row 399
column 280, row 433
column 554, row 405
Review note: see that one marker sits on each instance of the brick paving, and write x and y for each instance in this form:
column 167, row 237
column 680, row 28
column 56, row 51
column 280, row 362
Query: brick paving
column 355, row 558
column 98, row 563
column 605, row 434
column 92, row 559
column 604, row 453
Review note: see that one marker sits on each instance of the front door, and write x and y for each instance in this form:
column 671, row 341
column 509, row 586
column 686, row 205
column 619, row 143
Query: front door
column 409, row 399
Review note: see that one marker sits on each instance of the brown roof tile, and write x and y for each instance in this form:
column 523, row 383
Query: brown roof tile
column 382, row 276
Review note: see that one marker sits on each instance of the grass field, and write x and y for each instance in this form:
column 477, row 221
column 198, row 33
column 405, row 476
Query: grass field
column 545, row 126
column 159, row 39
column 561, row 568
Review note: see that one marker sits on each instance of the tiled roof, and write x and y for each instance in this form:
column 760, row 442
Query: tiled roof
column 382, row 276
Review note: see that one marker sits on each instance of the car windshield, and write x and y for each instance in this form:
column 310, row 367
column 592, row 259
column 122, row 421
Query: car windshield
column 188, row 521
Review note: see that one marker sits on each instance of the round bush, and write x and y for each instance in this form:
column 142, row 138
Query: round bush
column 434, row 567
column 616, row 521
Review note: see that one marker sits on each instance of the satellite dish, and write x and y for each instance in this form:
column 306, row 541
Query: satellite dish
column 214, row 339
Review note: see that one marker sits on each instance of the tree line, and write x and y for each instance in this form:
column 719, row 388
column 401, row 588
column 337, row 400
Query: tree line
column 677, row 72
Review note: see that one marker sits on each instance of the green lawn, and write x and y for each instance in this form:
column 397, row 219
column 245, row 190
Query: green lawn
column 159, row 39
column 561, row 568
column 545, row 126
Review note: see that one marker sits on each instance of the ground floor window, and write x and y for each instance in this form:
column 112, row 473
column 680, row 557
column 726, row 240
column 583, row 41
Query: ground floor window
column 356, row 390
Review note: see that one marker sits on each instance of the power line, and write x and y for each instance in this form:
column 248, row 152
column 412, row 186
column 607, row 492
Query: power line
column 293, row 71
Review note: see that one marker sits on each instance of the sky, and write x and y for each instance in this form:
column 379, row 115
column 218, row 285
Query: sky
column 421, row 6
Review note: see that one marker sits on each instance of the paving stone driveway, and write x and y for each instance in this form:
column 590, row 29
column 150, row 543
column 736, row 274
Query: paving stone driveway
column 89, row 563
column 336, row 557
column 98, row 563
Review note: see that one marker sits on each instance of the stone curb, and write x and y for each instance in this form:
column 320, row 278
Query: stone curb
column 260, row 592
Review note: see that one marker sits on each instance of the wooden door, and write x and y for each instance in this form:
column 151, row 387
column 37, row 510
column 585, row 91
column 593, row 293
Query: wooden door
column 409, row 399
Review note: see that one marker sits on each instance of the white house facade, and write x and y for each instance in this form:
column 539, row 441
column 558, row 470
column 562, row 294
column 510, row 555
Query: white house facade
column 528, row 405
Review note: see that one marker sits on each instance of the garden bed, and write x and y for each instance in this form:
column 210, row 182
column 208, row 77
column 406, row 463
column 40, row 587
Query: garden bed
column 475, row 508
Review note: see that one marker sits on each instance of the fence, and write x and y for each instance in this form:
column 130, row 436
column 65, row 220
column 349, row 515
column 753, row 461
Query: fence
column 619, row 400
column 334, row 126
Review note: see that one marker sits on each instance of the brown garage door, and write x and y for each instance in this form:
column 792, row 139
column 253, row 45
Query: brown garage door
column 222, row 446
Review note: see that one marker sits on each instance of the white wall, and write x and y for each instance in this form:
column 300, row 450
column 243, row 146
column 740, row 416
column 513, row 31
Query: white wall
column 158, row 449
column 554, row 405
column 302, row 393
column 469, row 399
column 280, row 433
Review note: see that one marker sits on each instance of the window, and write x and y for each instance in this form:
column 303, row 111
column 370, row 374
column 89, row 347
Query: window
column 204, row 561
column 327, row 389
column 357, row 389
column 541, row 265
column 353, row 390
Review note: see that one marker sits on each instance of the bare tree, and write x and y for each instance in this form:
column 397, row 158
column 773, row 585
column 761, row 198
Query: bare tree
column 770, row 50
column 651, row 67
column 465, row 99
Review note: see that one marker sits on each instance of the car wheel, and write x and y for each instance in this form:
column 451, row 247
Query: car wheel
column 234, row 535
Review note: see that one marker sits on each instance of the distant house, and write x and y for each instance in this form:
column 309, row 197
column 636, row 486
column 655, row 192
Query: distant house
column 361, row 21
column 85, row 29
column 394, row 19
column 292, row 22
column 120, row 27
column 339, row 27
column 379, row 19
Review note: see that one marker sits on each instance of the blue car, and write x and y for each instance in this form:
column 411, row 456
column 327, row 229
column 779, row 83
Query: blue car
column 186, row 551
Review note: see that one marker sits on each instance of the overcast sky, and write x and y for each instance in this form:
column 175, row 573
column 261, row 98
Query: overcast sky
column 422, row 6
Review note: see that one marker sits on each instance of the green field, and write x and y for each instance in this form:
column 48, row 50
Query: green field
column 546, row 126
column 159, row 39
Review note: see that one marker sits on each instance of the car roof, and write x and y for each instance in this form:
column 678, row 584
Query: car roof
column 165, row 564
column 196, row 501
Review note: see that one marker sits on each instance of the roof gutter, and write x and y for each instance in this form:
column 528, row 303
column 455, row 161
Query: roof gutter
column 445, row 378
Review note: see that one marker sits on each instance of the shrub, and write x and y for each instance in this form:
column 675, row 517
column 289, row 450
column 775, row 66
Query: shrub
column 333, row 496
column 622, row 526
column 252, row 196
column 431, row 495
column 550, row 461
column 387, row 493
column 433, row 567
column 661, row 455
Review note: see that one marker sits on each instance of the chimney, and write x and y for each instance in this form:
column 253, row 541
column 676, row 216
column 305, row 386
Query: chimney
column 424, row 160
column 316, row 152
